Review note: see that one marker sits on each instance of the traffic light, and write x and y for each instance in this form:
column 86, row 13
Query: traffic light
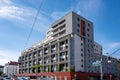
column 109, row 59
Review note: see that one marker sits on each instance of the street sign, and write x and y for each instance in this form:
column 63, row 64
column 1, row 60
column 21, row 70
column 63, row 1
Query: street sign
column 96, row 63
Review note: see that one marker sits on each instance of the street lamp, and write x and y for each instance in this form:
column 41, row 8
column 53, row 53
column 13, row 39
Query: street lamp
column 101, row 70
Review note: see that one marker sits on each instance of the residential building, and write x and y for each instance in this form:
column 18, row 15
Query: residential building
column 118, row 68
column 69, row 46
column 11, row 68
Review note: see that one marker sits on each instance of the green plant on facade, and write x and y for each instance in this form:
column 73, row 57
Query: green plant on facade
column 58, row 67
column 49, row 68
column 72, row 70
column 69, row 69
column 36, row 67
column 42, row 66
column 1, row 73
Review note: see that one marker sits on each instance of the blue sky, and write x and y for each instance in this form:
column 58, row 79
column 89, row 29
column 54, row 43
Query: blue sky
column 16, row 19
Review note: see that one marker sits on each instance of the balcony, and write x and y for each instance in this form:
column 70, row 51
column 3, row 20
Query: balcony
column 23, row 58
column 63, row 67
column 30, row 56
column 46, row 68
column 30, row 63
column 46, row 61
column 53, row 50
column 19, row 60
column 40, row 53
column 46, row 51
column 63, row 57
column 30, row 70
column 53, row 59
column 63, row 47
column 40, row 62
column 53, row 67
column 34, row 55
column 34, row 63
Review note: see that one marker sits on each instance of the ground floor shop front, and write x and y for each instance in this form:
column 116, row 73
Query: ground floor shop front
column 68, row 76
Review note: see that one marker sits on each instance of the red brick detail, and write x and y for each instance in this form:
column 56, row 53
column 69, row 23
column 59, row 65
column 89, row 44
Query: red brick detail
column 82, row 27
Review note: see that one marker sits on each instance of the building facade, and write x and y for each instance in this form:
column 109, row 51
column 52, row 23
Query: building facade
column 11, row 68
column 118, row 68
column 69, row 46
column 1, row 68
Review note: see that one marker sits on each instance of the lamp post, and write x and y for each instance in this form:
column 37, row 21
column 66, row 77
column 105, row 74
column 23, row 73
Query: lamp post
column 109, row 61
column 101, row 71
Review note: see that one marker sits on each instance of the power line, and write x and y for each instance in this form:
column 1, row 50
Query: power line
column 33, row 25
column 113, row 52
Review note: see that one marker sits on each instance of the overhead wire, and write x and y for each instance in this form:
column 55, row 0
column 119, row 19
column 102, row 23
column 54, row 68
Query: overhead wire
column 115, row 51
column 33, row 25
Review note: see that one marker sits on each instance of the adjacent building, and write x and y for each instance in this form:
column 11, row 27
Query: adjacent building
column 118, row 68
column 1, row 68
column 69, row 46
column 11, row 68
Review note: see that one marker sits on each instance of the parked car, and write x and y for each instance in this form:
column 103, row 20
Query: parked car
column 14, row 78
column 7, row 78
column 22, row 79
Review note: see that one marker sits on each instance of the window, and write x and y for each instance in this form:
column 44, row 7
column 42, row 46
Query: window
column 66, row 41
column 55, row 30
column 62, row 21
column 88, row 24
column 88, row 45
column 88, row 30
column 81, row 60
column 88, row 35
column 62, row 27
column 62, row 32
column 78, row 19
column 81, row 44
column 82, row 65
column 82, row 55
column 81, row 49
column 81, row 39
column 88, row 40
column 56, row 35
column 78, row 25
column 78, row 30
column 88, row 50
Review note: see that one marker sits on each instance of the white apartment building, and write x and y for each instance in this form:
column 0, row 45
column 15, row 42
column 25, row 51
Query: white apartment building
column 11, row 68
column 1, row 68
column 69, row 45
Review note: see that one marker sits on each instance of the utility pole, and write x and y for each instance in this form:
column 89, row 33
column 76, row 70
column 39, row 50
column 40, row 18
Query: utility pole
column 101, row 71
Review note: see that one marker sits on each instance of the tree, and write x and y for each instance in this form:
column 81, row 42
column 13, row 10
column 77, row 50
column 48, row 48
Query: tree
column 1, row 73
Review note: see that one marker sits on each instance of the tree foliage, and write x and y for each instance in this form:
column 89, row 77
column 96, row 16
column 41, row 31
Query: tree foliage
column 1, row 73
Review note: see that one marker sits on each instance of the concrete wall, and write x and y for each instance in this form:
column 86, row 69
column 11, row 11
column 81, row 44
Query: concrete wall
column 78, row 53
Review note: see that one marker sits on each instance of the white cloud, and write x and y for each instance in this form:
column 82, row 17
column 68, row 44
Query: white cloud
column 88, row 6
column 112, row 46
column 57, row 14
column 5, row 2
column 83, row 7
column 8, row 55
column 8, row 9
column 24, row 15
